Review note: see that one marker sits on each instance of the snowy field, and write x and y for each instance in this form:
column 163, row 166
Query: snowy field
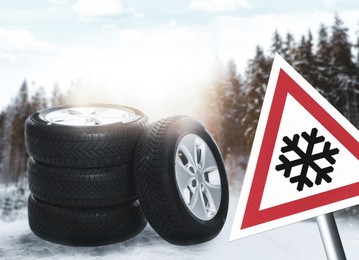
column 297, row 241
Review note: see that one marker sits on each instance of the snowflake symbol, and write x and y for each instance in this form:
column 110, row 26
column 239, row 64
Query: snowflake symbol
column 307, row 159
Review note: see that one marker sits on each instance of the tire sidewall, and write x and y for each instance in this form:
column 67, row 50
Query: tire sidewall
column 177, row 131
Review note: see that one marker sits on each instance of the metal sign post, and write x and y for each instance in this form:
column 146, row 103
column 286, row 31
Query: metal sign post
column 330, row 236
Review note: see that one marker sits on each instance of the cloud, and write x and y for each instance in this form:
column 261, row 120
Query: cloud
column 59, row 2
column 24, row 42
column 92, row 9
column 217, row 6
column 21, row 53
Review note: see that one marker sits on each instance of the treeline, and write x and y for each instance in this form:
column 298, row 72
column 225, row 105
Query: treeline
column 234, row 102
column 13, row 156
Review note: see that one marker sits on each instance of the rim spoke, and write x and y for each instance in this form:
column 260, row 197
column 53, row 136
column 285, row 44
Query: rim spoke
column 199, row 153
column 188, row 154
column 62, row 118
column 209, row 160
column 74, row 112
column 197, row 204
column 96, row 120
column 214, row 194
column 78, row 121
column 110, row 116
column 189, row 142
column 183, row 176
column 99, row 110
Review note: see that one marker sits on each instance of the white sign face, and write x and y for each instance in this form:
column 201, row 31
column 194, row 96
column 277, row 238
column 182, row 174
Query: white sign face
column 304, row 158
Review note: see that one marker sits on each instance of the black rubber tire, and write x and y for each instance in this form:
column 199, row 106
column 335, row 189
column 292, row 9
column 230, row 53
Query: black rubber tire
column 85, row 227
column 156, row 186
column 81, row 188
column 82, row 146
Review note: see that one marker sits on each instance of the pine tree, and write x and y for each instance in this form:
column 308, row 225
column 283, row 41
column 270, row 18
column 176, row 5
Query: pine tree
column 38, row 100
column 341, row 47
column 355, row 107
column 58, row 98
column 288, row 48
column 323, row 53
column 304, row 59
column 18, row 156
column 322, row 63
column 256, row 82
column 277, row 43
column 209, row 112
column 2, row 126
column 343, row 93
column 357, row 56
column 232, row 110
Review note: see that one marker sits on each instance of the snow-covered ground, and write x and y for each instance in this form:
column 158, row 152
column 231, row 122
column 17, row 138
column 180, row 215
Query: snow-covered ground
column 297, row 241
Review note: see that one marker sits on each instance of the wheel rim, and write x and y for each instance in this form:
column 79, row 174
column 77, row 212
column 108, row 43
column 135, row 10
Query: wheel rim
column 197, row 177
column 90, row 116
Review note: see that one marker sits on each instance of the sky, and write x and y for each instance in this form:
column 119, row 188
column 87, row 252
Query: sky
column 156, row 55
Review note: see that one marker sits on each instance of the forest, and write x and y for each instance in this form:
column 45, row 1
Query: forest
column 331, row 65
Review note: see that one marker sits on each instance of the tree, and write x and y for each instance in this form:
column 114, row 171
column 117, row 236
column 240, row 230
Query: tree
column 288, row 48
column 57, row 98
column 277, row 43
column 355, row 105
column 231, row 110
column 257, row 77
column 14, row 157
column 304, row 59
column 323, row 53
column 2, row 146
column 38, row 100
column 341, row 47
column 322, row 63
column 209, row 111
column 18, row 153
column 344, row 90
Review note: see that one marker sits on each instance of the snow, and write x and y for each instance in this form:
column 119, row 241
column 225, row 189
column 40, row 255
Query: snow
column 297, row 241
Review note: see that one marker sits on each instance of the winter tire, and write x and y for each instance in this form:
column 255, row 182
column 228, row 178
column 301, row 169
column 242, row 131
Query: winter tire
column 181, row 181
column 85, row 227
column 81, row 188
column 97, row 135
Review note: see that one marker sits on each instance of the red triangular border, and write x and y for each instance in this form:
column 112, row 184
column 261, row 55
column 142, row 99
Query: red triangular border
column 253, row 215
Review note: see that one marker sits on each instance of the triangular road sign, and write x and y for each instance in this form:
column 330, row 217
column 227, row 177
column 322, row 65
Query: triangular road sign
column 304, row 160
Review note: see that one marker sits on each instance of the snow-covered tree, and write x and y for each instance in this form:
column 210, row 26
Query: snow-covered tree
column 342, row 70
column 232, row 107
column 304, row 59
column 57, row 97
column 288, row 51
column 257, row 77
column 341, row 47
column 209, row 110
column 277, row 43
column 38, row 100
column 323, row 53
column 322, row 63
column 2, row 126
column 18, row 154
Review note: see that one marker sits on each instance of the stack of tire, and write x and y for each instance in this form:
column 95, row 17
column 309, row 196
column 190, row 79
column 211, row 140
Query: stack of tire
column 97, row 172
